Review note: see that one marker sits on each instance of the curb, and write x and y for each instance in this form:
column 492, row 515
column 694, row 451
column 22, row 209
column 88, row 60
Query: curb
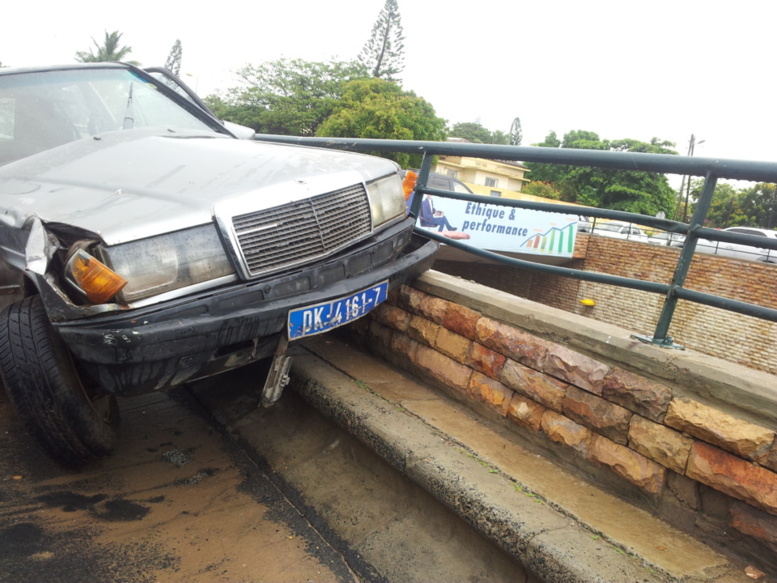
column 549, row 544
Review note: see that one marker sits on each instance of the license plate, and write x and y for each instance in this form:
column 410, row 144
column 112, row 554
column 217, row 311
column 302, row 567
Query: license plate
column 327, row 315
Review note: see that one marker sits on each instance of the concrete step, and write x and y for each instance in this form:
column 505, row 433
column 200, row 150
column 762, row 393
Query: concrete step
column 560, row 527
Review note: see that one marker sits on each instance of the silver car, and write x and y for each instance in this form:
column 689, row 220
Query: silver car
column 142, row 245
column 619, row 230
column 667, row 239
column 738, row 250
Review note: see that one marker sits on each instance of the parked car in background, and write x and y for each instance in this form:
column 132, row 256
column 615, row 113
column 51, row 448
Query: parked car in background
column 444, row 182
column 667, row 239
column 584, row 224
column 738, row 250
column 142, row 245
column 431, row 217
column 619, row 230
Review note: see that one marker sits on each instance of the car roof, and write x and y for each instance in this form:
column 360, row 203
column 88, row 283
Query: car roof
column 767, row 232
column 41, row 69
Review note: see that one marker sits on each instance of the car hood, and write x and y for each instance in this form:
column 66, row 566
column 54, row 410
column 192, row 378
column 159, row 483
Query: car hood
column 128, row 185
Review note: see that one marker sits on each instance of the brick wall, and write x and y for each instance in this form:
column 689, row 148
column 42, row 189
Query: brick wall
column 660, row 441
column 741, row 339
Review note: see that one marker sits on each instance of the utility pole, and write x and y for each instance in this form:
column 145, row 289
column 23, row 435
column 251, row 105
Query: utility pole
column 691, row 146
column 686, row 183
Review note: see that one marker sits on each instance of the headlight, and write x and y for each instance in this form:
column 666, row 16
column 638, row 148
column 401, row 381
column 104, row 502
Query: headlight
column 168, row 262
column 386, row 199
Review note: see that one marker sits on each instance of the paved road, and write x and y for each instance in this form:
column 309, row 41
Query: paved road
column 206, row 486
column 177, row 502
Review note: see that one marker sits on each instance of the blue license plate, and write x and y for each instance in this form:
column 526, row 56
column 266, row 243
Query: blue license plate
column 327, row 315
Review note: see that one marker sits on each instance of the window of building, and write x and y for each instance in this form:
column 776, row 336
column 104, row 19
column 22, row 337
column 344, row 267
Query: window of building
column 495, row 193
column 452, row 173
column 491, row 181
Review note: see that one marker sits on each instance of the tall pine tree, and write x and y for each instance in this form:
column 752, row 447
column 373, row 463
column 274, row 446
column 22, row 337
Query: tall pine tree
column 516, row 134
column 383, row 54
column 173, row 62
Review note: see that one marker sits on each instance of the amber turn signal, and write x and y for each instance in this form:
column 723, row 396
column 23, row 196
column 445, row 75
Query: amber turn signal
column 97, row 281
column 408, row 183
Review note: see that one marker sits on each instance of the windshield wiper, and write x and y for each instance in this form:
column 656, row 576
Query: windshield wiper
column 129, row 119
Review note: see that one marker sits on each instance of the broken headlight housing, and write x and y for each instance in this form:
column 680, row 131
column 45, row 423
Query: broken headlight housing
column 168, row 262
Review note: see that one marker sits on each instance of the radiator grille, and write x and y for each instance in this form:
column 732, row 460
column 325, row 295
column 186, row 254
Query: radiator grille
column 303, row 230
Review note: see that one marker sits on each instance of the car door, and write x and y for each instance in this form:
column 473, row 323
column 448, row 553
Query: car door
column 716, row 247
column 746, row 251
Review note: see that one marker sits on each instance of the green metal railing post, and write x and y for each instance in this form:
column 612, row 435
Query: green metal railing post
column 423, row 180
column 660, row 336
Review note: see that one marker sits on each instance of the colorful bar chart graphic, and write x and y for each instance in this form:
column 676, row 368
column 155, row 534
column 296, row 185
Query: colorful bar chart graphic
column 553, row 240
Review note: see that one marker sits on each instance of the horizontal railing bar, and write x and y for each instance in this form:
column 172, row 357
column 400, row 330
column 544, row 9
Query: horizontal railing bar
column 637, row 219
column 729, row 237
column 727, row 304
column 638, row 284
column 655, row 222
column 664, row 163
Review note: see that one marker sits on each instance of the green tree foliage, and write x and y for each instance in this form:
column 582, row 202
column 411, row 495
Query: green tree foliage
column 289, row 97
column 543, row 189
column 472, row 132
column 478, row 134
column 627, row 190
column 499, row 137
column 375, row 108
column 754, row 206
column 725, row 210
column 550, row 173
column 383, row 54
column 516, row 133
column 760, row 204
column 173, row 62
column 110, row 50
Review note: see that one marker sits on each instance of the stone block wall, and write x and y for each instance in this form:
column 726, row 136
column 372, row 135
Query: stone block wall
column 665, row 438
column 738, row 338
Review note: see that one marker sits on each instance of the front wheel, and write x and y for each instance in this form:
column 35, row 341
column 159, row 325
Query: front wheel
column 71, row 419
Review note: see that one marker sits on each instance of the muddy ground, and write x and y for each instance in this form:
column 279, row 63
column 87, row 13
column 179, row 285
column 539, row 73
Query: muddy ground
column 206, row 486
column 177, row 502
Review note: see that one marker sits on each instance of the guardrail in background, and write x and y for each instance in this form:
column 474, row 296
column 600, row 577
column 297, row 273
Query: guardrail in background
column 711, row 169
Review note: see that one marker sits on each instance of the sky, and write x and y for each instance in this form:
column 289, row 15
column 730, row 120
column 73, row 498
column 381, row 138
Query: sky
column 622, row 69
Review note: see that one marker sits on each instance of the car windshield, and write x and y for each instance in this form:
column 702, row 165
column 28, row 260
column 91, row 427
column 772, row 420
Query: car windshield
column 44, row 109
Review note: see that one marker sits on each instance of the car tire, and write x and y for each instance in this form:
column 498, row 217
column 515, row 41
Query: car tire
column 70, row 418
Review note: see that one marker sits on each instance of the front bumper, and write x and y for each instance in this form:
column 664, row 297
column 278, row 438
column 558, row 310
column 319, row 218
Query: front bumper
column 165, row 345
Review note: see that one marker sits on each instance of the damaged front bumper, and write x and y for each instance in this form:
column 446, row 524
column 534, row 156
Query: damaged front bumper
column 164, row 345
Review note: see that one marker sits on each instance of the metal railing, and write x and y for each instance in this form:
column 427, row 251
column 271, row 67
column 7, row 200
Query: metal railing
column 709, row 168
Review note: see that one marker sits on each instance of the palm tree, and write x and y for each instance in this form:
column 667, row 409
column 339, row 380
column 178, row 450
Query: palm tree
column 109, row 51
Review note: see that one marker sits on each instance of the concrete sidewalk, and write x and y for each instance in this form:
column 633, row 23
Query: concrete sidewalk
column 558, row 526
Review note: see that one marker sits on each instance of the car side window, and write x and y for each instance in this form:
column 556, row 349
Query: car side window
column 746, row 232
column 439, row 182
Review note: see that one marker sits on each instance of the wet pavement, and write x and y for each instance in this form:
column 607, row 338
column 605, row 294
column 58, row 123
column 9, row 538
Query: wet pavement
column 176, row 502
column 207, row 486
